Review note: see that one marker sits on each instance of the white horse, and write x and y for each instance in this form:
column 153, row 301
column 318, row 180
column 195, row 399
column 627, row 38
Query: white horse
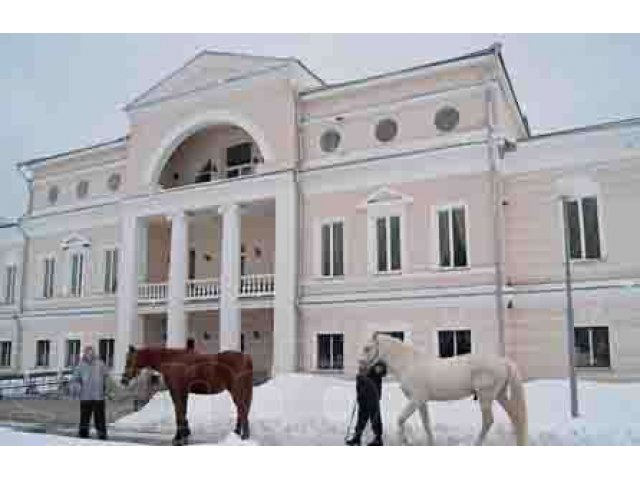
column 423, row 378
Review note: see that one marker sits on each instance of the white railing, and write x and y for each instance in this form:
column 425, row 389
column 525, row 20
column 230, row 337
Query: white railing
column 257, row 285
column 203, row 289
column 152, row 292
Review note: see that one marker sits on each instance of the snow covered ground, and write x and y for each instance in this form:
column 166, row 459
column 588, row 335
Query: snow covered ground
column 10, row 437
column 301, row 409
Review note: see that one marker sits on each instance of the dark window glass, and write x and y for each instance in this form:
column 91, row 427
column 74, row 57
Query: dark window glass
column 326, row 250
column 381, row 235
column 338, row 260
column 239, row 154
column 5, row 354
column 575, row 243
column 192, row 264
column 445, row 344
column 600, row 342
column 329, row 141
column 204, row 174
column 591, row 230
column 324, row 351
column 592, row 347
column 73, row 353
column 42, row 353
column 386, row 130
column 459, row 238
column 105, row 350
column 463, row 342
column 443, row 231
column 330, row 351
column 394, row 225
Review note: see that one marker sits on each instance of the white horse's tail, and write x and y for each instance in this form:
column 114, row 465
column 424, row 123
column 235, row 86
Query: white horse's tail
column 517, row 404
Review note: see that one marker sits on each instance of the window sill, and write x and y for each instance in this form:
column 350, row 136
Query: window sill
column 330, row 278
column 587, row 261
column 465, row 268
column 588, row 368
column 387, row 273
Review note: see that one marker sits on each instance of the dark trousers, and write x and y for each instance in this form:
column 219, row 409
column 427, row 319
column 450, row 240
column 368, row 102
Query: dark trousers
column 97, row 409
column 369, row 411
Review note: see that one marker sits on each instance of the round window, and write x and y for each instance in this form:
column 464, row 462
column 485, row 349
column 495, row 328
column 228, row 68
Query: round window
column 82, row 188
column 114, row 181
column 447, row 119
column 54, row 191
column 329, row 141
column 386, row 130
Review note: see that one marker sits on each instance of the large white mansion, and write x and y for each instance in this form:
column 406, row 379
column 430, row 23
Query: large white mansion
column 252, row 206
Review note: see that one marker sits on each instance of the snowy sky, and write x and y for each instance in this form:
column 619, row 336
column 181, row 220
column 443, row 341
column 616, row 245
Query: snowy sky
column 59, row 92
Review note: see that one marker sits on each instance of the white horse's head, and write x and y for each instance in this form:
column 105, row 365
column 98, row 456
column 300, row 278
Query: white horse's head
column 371, row 351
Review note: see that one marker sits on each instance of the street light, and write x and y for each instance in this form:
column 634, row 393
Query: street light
column 573, row 384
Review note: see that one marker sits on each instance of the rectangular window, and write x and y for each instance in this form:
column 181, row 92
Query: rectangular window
column 5, row 353
column 43, row 349
column 77, row 273
column 452, row 237
column 388, row 248
column 454, row 342
column 49, row 276
column 592, row 347
column 239, row 160
column 192, row 264
column 106, row 347
column 332, row 249
column 330, row 351
column 581, row 216
column 72, row 353
column 10, row 284
column 111, row 270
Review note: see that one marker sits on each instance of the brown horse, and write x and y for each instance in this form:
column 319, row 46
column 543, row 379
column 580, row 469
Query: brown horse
column 185, row 371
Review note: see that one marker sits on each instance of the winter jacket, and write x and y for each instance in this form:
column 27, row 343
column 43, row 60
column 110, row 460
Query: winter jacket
column 369, row 385
column 92, row 376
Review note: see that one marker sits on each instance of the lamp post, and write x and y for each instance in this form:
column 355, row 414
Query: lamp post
column 573, row 385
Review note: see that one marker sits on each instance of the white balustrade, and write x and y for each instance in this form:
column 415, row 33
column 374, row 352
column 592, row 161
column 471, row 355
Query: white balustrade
column 202, row 289
column 152, row 292
column 257, row 285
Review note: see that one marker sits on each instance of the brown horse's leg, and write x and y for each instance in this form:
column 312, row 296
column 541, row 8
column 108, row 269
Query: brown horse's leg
column 244, row 387
column 180, row 407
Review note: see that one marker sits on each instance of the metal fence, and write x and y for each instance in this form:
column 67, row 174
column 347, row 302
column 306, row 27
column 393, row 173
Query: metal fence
column 36, row 385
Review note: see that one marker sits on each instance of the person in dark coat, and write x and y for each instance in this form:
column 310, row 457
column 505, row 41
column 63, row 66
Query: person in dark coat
column 92, row 376
column 368, row 393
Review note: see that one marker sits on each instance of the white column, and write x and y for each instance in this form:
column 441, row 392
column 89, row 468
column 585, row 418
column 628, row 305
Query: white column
column 127, row 302
column 285, row 341
column 230, row 323
column 176, row 319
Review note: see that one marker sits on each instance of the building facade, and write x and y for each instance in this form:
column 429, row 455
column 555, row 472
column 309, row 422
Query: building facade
column 252, row 206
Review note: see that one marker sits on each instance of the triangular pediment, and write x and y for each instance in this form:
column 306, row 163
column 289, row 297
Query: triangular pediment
column 208, row 70
column 385, row 196
column 75, row 240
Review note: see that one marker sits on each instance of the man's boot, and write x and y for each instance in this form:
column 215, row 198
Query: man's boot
column 354, row 441
column 376, row 442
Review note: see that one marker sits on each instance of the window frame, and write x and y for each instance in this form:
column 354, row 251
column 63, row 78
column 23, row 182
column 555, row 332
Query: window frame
column 10, row 279
column 110, row 272
column 78, row 354
column 109, row 341
column 334, row 366
column 435, row 237
column 590, row 330
column 77, row 284
column 47, row 288
column 3, row 355
column 455, row 342
column 47, row 342
column 330, row 222
column 579, row 199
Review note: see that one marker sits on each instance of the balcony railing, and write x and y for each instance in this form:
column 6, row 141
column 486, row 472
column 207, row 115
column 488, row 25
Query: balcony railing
column 203, row 289
column 152, row 292
column 251, row 286
column 257, row 285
